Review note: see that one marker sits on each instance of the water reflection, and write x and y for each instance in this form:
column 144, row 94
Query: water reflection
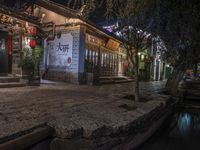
column 180, row 132
column 184, row 124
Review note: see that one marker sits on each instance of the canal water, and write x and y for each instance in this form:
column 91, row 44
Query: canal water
column 181, row 131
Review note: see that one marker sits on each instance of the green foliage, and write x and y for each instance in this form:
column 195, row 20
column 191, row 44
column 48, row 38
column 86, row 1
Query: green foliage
column 37, row 54
column 30, row 62
column 28, row 65
column 130, row 72
column 177, row 23
column 26, row 52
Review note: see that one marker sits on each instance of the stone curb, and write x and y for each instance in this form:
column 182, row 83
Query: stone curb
column 136, row 131
column 27, row 140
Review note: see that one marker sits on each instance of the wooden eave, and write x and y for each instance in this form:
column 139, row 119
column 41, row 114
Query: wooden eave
column 68, row 12
column 57, row 8
column 101, row 31
column 18, row 15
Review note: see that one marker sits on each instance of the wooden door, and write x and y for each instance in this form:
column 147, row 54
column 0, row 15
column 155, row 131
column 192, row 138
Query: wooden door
column 3, row 53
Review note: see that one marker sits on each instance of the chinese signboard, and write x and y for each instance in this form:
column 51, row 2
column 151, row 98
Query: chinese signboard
column 112, row 44
column 94, row 40
column 60, row 50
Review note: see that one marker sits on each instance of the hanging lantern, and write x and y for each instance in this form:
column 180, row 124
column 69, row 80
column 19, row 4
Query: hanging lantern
column 32, row 43
column 33, row 31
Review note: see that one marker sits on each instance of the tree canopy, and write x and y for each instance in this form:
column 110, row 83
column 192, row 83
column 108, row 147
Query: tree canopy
column 177, row 22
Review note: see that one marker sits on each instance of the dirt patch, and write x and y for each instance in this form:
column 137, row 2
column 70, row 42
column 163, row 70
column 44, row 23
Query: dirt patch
column 165, row 92
column 132, row 97
column 127, row 107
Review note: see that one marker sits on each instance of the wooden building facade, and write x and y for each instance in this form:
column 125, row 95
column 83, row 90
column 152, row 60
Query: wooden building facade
column 75, row 50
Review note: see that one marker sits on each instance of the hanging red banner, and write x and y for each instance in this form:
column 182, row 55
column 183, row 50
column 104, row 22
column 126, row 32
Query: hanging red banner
column 10, row 50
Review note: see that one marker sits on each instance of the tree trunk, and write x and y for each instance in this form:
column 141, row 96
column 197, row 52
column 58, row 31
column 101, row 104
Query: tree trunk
column 163, row 72
column 136, row 77
column 173, row 81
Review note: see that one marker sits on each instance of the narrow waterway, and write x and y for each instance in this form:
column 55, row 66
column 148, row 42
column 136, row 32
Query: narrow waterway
column 180, row 132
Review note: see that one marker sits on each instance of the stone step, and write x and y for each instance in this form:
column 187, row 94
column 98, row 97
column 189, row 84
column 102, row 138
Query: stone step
column 26, row 139
column 194, row 98
column 116, row 82
column 7, row 79
column 193, row 85
column 3, row 74
column 12, row 84
column 115, row 79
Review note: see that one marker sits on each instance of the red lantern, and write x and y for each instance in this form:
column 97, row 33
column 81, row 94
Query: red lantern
column 33, row 31
column 32, row 43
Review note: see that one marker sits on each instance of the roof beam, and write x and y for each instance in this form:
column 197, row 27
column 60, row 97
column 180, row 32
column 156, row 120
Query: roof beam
column 21, row 16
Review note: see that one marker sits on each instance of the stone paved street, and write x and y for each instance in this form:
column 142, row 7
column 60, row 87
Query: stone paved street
column 26, row 107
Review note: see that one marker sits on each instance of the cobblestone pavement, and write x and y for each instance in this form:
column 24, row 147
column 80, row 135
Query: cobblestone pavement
column 26, row 107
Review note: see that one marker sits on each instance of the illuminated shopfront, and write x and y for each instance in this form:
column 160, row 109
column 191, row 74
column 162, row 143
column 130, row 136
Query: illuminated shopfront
column 74, row 49
column 111, row 60
column 16, row 32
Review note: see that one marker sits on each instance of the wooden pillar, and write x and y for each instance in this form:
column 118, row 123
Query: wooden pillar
column 97, row 69
column 109, row 63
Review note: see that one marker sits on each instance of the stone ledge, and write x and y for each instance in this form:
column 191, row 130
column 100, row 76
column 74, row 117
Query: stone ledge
column 62, row 76
column 29, row 139
column 105, row 134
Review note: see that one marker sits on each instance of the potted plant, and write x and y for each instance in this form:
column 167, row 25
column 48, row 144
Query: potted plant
column 30, row 63
column 27, row 65
column 37, row 54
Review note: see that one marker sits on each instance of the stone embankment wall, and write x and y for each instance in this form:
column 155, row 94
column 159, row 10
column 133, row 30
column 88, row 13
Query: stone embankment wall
column 128, row 134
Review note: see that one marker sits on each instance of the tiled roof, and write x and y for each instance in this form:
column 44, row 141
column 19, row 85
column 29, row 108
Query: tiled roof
column 20, row 15
column 58, row 6
column 17, row 4
column 73, row 4
column 64, row 10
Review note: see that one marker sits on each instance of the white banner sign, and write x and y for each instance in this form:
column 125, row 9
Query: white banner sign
column 60, row 50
